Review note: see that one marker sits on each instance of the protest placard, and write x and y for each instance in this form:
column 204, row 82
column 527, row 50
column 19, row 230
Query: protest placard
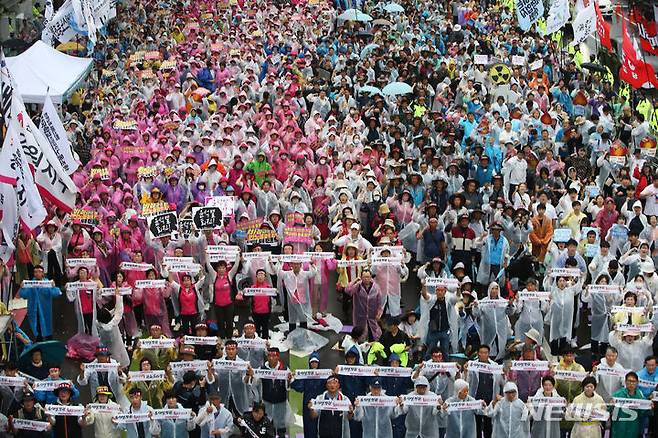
column 162, row 224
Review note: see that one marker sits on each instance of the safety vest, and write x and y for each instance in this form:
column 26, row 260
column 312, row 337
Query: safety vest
column 625, row 91
column 609, row 76
column 645, row 108
column 653, row 121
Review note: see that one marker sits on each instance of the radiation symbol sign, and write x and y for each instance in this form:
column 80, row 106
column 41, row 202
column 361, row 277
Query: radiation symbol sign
column 500, row 74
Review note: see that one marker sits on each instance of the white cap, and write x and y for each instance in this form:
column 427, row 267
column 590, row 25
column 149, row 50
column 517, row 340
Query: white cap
column 510, row 387
column 421, row 381
column 355, row 226
column 647, row 267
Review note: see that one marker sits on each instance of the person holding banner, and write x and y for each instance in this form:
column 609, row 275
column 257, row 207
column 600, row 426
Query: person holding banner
column 39, row 304
column 233, row 384
column 420, row 417
column 85, row 299
column 214, row 419
column 188, row 301
column 563, row 292
column 581, row 410
column 222, row 294
column 545, row 418
column 628, row 422
column 47, row 396
column 159, row 356
column 368, row 304
column 331, row 423
column 492, row 315
column 50, row 241
column 153, row 296
column 111, row 376
column 142, row 428
column 461, row 422
column 66, row 425
column 438, row 319
column 32, row 412
column 101, row 417
column 310, row 388
column 296, row 283
column 376, row 420
column 275, row 392
column 509, row 414
column 388, row 276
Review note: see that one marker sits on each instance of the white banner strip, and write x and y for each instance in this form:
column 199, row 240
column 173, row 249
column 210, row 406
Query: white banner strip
column 448, row 283
column 393, row 371
column 421, row 400
column 260, row 292
column 251, row 344
column 642, row 328
column 539, row 401
column 12, row 381
column 65, row 410
column 110, row 291
column 472, row 405
column 256, row 255
column 131, row 418
column 331, row 405
column 625, row 309
column 263, row 373
column 318, row 373
column 321, row 255
column 355, row 370
column 603, row 289
column 189, row 365
column 377, row 401
column 49, row 385
column 157, row 343
column 200, row 340
column 86, row 262
column 565, row 272
column 172, row 414
column 441, row 367
column 483, row 367
column 632, row 403
column 98, row 366
column 572, row 376
column 104, row 408
column 488, row 303
column 350, row 263
column 33, row 425
column 527, row 295
column 530, row 365
column 155, row 284
column 37, row 283
column 81, row 285
column 129, row 266
column 146, row 376
column 230, row 365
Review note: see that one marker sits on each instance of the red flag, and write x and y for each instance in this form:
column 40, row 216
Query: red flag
column 633, row 70
column 603, row 28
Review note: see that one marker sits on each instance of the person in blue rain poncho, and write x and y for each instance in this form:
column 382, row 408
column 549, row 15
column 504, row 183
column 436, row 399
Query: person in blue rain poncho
column 39, row 306
column 310, row 388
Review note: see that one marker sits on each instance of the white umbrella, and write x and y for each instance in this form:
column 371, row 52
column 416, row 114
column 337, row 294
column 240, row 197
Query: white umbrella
column 354, row 15
column 395, row 88
column 367, row 49
column 370, row 90
column 393, row 7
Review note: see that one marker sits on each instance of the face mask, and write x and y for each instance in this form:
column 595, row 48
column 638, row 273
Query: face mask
column 639, row 284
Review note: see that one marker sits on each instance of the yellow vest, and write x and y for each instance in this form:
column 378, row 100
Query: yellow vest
column 644, row 107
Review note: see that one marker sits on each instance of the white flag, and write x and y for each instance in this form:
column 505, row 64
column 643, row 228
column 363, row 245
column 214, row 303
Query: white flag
column 48, row 13
column 54, row 183
column 558, row 16
column 58, row 28
column 584, row 25
column 15, row 170
column 53, row 130
column 528, row 12
column 9, row 222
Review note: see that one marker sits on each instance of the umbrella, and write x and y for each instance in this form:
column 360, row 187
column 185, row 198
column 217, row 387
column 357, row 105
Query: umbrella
column 593, row 67
column 393, row 7
column 382, row 22
column 370, row 90
column 52, row 353
column 15, row 44
column 395, row 88
column 354, row 15
column 200, row 92
column 367, row 49
column 71, row 46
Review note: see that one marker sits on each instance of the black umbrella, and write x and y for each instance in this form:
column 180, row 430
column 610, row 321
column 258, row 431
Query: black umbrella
column 593, row 67
column 15, row 44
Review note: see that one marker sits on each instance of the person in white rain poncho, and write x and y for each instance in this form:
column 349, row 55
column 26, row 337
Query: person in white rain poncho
column 632, row 346
column 546, row 419
column 388, row 276
column 509, row 414
column 492, row 314
column 296, row 282
column 439, row 322
column 609, row 374
column 531, row 312
column 461, row 423
column 600, row 301
column 561, row 314
column 232, row 385
column 332, row 424
column 376, row 420
column 214, row 418
column 275, row 392
column 107, row 326
column 421, row 420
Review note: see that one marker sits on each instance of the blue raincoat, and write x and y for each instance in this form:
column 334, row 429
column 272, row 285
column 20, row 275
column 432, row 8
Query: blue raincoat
column 40, row 305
